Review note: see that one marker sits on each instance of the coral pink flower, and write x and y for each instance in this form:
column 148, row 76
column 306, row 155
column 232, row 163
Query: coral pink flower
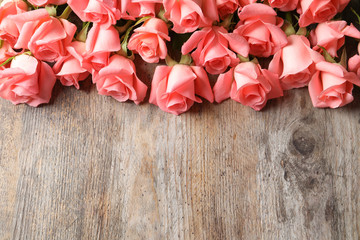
column 69, row 69
column 249, row 85
column 27, row 80
column 354, row 63
column 101, row 12
column 8, row 29
column 99, row 44
column 212, row 48
column 295, row 63
column 318, row 11
column 149, row 40
column 261, row 28
column 188, row 15
column 331, row 35
column 46, row 37
column 119, row 80
column 131, row 9
column 6, row 52
column 175, row 89
column 332, row 85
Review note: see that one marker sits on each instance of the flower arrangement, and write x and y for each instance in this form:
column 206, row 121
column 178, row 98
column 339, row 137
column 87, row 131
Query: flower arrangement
column 258, row 49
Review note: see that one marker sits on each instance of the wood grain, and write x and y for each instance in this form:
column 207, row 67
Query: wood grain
column 88, row 167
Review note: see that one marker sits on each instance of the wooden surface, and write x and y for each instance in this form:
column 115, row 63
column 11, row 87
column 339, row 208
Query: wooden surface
column 87, row 167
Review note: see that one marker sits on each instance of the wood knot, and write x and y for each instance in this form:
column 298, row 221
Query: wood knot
column 303, row 142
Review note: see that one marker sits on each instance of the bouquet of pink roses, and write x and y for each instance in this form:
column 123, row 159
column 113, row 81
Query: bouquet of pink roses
column 257, row 49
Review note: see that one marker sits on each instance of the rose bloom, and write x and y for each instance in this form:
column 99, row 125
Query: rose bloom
column 318, row 11
column 332, row 85
column 149, row 40
column 101, row 12
column 131, row 9
column 46, row 37
column 295, row 63
column 189, row 15
column 100, row 43
column 331, row 36
column 175, row 89
column 212, row 48
column 119, row 80
column 8, row 30
column 69, row 69
column 226, row 7
column 249, row 85
column 46, row 2
column 284, row 5
column 261, row 28
column 27, row 80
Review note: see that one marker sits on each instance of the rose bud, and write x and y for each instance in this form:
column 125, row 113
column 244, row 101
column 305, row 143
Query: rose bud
column 175, row 89
column 119, row 80
column 212, row 49
column 332, row 85
column 331, row 36
column 189, row 15
column 69, row 69
column 249, row 85
column 149, row 40
column 132, row 9
column 318, row 11
column 261, row 28
column 27, row 80
column 8, row 29
column 104, row 13
column 295, row 63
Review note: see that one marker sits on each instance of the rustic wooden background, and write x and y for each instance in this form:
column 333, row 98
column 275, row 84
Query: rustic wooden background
column 88, row 167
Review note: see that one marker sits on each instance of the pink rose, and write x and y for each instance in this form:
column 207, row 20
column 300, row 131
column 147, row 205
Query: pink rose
column 99, row 44
column 318, row 11
column 131, row 9
column 189, row 15
column 119, row 80
column 6, row 52
column 295, row 63
column 248, row 84
column 332, row 85
column 175, row 89
column 39, row 3
column 212, row 48
column 149, row 40
column 261, row 28
column 46, row 37
column 226, row 7
column 101, row 12
column 284, row 5
column 331, row 36
column 69, row 69
column 27, row 81
column 8, row 30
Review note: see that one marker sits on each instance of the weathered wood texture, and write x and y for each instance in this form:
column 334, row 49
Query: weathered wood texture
column 87, row 167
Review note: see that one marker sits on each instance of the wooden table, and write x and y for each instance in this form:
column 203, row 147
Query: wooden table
column 88, row 167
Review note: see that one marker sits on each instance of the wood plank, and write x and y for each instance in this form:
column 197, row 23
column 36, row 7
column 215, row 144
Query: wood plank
column 87, row 167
